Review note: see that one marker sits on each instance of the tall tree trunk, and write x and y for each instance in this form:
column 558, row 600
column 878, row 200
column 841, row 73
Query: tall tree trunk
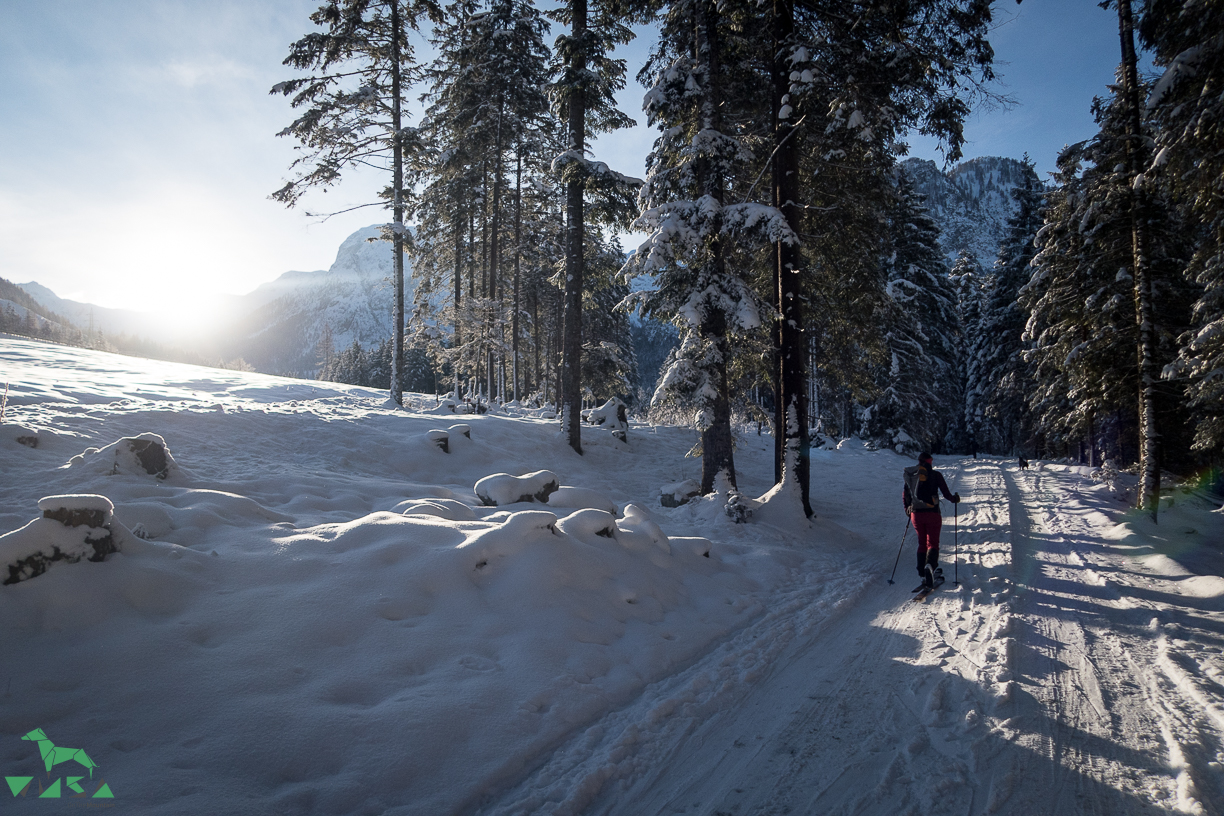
column 717, row 456
column 792, row 348
column 1149, row 375
column 397, row 207
column 495, row 258
column 458, row 297
column 575, row 225
column 518, row 262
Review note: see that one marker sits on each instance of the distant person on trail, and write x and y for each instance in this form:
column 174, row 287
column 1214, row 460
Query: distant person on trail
column 923, row 484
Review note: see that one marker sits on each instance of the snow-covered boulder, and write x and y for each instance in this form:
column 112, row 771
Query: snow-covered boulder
column 502, row 488
column 439, row 438
column 146, row 453
column 612, row 415
column 589, row 525
column 638, row 531
column 511, row 536
column 73, row 527
column 674, row 495
column 581, row 498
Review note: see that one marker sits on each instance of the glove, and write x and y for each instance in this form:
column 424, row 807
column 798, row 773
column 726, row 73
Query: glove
column 908, row 510
column 956, row 498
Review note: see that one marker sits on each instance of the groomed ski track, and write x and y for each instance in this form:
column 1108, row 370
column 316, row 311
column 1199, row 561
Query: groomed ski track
column 1060, row 677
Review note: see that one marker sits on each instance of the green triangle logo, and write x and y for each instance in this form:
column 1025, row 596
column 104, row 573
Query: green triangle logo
column 18, row 784
column 52, row 792
column 104, row 792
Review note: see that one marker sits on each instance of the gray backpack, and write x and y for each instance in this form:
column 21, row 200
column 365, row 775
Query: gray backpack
column 922, row 493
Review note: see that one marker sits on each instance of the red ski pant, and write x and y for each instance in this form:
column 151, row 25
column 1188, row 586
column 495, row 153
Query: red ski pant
column 927, row 526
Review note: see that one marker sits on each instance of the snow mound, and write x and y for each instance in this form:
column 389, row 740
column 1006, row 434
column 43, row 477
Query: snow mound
column 449, row 509
column 146, row 454
column 581, row 498
column 502, row 488
column 589, row 525
column 76, row 501
column 638, row 531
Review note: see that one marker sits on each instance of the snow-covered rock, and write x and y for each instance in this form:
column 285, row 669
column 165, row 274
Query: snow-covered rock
column 678, row 493
column 502, row 488
column 73, row 527
column 145, row 454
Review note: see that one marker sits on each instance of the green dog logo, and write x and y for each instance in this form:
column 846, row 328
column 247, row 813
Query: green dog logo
column 53, row 755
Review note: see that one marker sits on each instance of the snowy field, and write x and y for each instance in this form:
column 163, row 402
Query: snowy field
column 313, row 613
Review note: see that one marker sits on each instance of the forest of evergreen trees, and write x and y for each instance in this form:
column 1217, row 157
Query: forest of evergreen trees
column 799, row 272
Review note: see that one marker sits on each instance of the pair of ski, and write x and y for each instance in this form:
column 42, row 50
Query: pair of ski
column 923, row 590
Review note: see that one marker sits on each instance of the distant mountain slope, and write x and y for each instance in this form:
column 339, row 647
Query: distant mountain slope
column 284, row 319
column 16, row 304
column 276, row 327
column 971, row 202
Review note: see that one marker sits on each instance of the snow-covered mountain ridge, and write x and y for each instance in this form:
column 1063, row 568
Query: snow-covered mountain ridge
column 971, row 202
column 277, row 326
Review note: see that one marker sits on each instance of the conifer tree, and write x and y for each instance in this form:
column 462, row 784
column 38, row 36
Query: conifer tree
column 1187, row 107
column 999, row 373
column 1082, row 313
column 488, row 133
column 361, row 66
column 588, row 78
column 966, row 278
column 698, row 236
column 920, row 389
column 848, row 81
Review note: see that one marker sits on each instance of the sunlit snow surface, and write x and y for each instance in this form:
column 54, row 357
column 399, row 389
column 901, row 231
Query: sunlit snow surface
column 325, row 620
column 286, row 640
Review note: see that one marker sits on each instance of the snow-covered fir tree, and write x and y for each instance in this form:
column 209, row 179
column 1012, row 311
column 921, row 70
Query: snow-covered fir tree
column 1082, row 311
column 360, row 67
column 1000, row 376
column 967, row 279
column 920, row 391
column 698, row 236
column 1187, row 108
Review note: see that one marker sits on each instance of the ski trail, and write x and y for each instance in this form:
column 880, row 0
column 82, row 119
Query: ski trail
column 1102, row 726
column 1042, row 683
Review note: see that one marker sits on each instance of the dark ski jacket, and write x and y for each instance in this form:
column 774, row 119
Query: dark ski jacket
column 929, row 480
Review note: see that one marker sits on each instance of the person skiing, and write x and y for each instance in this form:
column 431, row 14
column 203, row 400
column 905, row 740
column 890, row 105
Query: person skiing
column 923, row 484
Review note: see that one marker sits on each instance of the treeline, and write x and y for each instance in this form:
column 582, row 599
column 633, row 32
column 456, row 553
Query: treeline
column 1099, row 333
column 798, row 270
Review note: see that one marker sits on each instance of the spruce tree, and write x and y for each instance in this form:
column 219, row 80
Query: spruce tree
column 967, row 279
column 1082, row 313
column 919, row 390
column 848, row 81
column 999, row 373
column 698, row 236
column 360, row 69
column 1187, row 108
column 583, row 93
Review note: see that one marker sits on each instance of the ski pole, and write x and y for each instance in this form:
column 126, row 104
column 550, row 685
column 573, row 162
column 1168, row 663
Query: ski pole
column 898, row 561
column 955, row 537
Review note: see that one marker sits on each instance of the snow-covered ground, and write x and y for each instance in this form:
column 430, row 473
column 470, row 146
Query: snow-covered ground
column 324, row 618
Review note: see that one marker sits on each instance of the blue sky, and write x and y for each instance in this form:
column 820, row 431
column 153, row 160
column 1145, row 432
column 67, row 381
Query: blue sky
column 139, row 143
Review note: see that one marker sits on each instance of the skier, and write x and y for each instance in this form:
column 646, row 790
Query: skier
column 922, row 506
